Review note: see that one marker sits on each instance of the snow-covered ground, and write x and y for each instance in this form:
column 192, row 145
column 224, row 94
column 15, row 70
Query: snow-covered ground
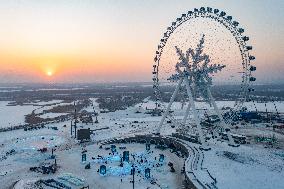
column 245, row 166
column 95, row 105
column 248, row 166
column 114, row 172
column 13, row 115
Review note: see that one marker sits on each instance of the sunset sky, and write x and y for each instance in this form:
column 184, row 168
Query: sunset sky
column 115, row 40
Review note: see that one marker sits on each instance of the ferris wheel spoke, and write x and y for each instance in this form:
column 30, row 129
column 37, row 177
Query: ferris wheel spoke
column 186, row 114
column 196, row 117
column 169, row 106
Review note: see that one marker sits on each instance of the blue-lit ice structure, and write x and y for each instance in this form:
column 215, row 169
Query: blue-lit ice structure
column 147, row 173
column 68, row 178
column 29, row 147
column 103, row 170
column 161, row 158
column 33, row 143
column 113, row 148
column 84, row 157
column 142, row 162
column 111, row 158
column 126, row 156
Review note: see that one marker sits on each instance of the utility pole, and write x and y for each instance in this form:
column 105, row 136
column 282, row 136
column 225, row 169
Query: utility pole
column 71, row 128
column 133, row 175
column 75, row 122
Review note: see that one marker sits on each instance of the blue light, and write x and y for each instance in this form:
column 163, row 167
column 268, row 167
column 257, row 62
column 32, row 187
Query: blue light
column 161, row 158
column 84, row 157
column 147, row 173
column 126, row 156
column 102, row 169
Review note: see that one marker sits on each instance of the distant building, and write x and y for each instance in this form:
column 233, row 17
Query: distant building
column 84, row 134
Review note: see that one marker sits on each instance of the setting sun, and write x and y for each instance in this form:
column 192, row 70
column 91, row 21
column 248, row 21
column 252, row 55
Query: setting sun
column 49, row 73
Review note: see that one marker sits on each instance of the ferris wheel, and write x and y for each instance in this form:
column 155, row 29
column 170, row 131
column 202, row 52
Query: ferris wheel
column 199, row 49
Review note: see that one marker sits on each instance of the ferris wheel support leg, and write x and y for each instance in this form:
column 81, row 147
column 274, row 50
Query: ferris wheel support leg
column 169, row 106
column 196, row 118
column 186, row 114
column 223, row 124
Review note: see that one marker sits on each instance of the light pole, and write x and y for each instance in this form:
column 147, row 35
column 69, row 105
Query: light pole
column 133, row 174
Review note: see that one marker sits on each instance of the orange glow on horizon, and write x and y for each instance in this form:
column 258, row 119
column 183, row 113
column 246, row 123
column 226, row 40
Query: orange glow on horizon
column 73, row 42
column 63, row 67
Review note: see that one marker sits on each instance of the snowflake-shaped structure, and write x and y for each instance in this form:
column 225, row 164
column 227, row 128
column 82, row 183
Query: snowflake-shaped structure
column 196, row 68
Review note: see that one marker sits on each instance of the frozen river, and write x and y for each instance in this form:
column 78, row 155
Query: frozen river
column 13, row 115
